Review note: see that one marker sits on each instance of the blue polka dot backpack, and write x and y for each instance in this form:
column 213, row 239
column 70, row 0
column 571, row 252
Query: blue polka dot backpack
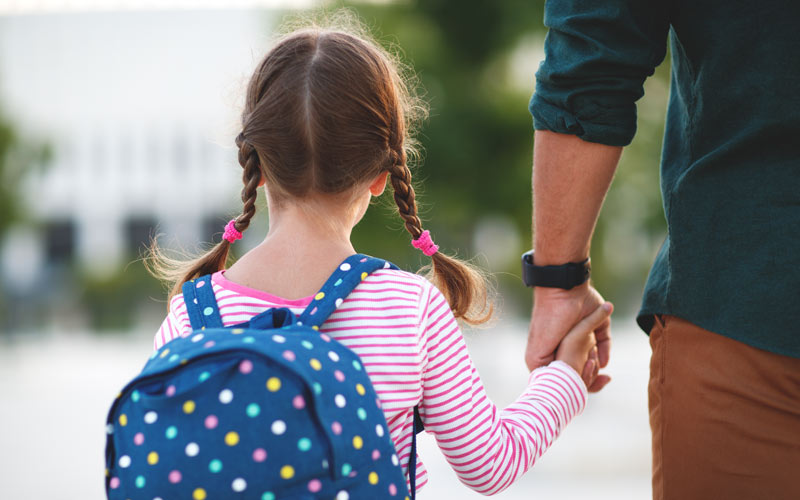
column 269, row 409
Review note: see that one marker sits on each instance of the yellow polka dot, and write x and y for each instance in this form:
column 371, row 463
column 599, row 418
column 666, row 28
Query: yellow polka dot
column 360, row 389
column 273, row 384
column 164, row 352
column 373, row 478
column 107, row 473
column 315, row 327
column 315, row 364
column 232, row 438
column 203, row 328
column 184, row 361
column 123, row 420
column 188, row 406
column 358, row 442
column 319, row 296
column 237, row 331
column 363, row 275
column 287, row 472
column 119, row 395
column 199, row 494
column 152, row 458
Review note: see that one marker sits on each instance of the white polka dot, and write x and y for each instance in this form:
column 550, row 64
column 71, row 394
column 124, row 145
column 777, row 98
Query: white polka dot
column 324, row 464
column 124, row 461
column 197, row 338
column 192, row 449
column 340, row 401
column 379, row 430
column 395, row 461
column 150, row 417
column 158, row 498
column 225, row 396
column 387, row 266
column 110, row 428
column 339, row 302
column 342, row 495
column 278, row 427
column 345, row 267
column 334, row 357
column 239, row 484
column 279, row 339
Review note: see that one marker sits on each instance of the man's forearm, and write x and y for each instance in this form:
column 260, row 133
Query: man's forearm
column 570, row 181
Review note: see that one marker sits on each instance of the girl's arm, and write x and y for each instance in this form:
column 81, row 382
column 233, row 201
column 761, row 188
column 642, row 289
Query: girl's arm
column 487, row 447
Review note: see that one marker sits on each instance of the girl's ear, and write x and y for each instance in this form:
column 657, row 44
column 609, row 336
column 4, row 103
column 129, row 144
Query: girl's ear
column 379, row 184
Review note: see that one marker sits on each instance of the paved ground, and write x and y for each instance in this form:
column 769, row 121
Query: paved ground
column 55, row 391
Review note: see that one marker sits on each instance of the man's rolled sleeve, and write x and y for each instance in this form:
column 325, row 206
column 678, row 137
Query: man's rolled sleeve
column 597, row 56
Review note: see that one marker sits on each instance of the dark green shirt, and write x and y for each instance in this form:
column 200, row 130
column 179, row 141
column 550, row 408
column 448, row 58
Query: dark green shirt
column 730, row 170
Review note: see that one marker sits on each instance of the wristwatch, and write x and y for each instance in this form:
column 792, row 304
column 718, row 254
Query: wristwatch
column 565, row 276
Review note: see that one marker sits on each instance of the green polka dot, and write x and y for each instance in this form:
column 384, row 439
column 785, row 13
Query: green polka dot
column 215, row 466
column 253, row 410
column 356, row 365
column 248, row 340
column 208, row 311
column 204, row 376
column 346, row 469
column 135, row 396
column 268, row 495
column 317, row 388
column 308, row 345
column 171, row 432
column 362, row 413
column 140, row 481
column 304, row 444
column 174, row 358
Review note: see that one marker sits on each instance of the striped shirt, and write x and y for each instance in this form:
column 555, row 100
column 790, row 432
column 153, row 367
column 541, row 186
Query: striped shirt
column 413, row 350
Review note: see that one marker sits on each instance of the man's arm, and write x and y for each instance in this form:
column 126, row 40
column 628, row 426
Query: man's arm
column 570, row 181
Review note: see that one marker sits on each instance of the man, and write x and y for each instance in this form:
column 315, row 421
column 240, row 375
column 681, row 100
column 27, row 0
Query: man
column 722, row 302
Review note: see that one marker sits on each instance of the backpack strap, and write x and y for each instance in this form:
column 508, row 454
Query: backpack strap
column 412, row 458
column 198, row 295
column 339, row 285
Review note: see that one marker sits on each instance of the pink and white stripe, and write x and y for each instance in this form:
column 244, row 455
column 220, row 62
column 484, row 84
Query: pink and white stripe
column 411, row 346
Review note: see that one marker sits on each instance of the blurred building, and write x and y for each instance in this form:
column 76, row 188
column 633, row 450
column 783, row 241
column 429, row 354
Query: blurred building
column 140, row 109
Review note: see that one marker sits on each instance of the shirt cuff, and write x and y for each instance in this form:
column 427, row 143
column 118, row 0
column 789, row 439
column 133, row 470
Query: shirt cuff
column 565, row 385
column 592, row 122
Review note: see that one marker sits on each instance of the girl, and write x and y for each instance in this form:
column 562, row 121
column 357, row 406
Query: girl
column 325, row 125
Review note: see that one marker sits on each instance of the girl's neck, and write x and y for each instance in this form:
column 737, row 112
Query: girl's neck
column 302, row 248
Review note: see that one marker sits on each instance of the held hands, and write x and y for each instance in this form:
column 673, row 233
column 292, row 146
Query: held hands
column 558, row 314
column 579, row 347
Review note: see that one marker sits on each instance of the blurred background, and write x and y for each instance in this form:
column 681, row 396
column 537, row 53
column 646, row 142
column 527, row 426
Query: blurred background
column 117, row 120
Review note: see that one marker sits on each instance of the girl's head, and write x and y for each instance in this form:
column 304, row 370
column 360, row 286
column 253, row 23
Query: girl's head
column 325, row 114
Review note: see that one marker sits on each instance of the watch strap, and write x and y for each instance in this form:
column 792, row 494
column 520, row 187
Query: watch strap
column 564, row 276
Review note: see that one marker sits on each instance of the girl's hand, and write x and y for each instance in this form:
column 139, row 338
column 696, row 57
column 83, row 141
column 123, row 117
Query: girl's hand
column 579, row 347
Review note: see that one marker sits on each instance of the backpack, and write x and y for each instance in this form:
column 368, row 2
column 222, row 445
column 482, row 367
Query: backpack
column 267, row 409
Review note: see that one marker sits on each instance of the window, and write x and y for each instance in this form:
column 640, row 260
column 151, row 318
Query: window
column 59, row 241
column 138, row 231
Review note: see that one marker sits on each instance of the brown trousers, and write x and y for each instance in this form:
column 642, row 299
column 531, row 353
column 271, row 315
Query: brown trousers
column 725, row 417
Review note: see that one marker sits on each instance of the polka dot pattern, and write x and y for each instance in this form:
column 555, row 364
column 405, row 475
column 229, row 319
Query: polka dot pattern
column 205, row 409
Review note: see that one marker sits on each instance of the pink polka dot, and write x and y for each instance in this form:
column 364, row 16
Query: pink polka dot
column 170, row 391
column 339, row 375
column 314, row 485
column 259, row 454
column 175, row 477
column 325, row 337
column 298, row 402
column 376, row 454
column 246, row 366
column 392, row 489
column 289, row 355
column 208, row 344
column 336, row 427
column 201, row 284
column 138, row 439
column 211, row 421
column 114, row 483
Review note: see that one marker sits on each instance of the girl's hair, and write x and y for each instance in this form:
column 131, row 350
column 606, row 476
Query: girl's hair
column 324, row 112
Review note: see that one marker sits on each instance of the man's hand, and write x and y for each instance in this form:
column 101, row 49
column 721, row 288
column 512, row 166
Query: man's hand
column 555, row 312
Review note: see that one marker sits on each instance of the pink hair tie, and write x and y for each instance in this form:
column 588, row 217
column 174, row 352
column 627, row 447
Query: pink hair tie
column 425, row 243
column 231, row 233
